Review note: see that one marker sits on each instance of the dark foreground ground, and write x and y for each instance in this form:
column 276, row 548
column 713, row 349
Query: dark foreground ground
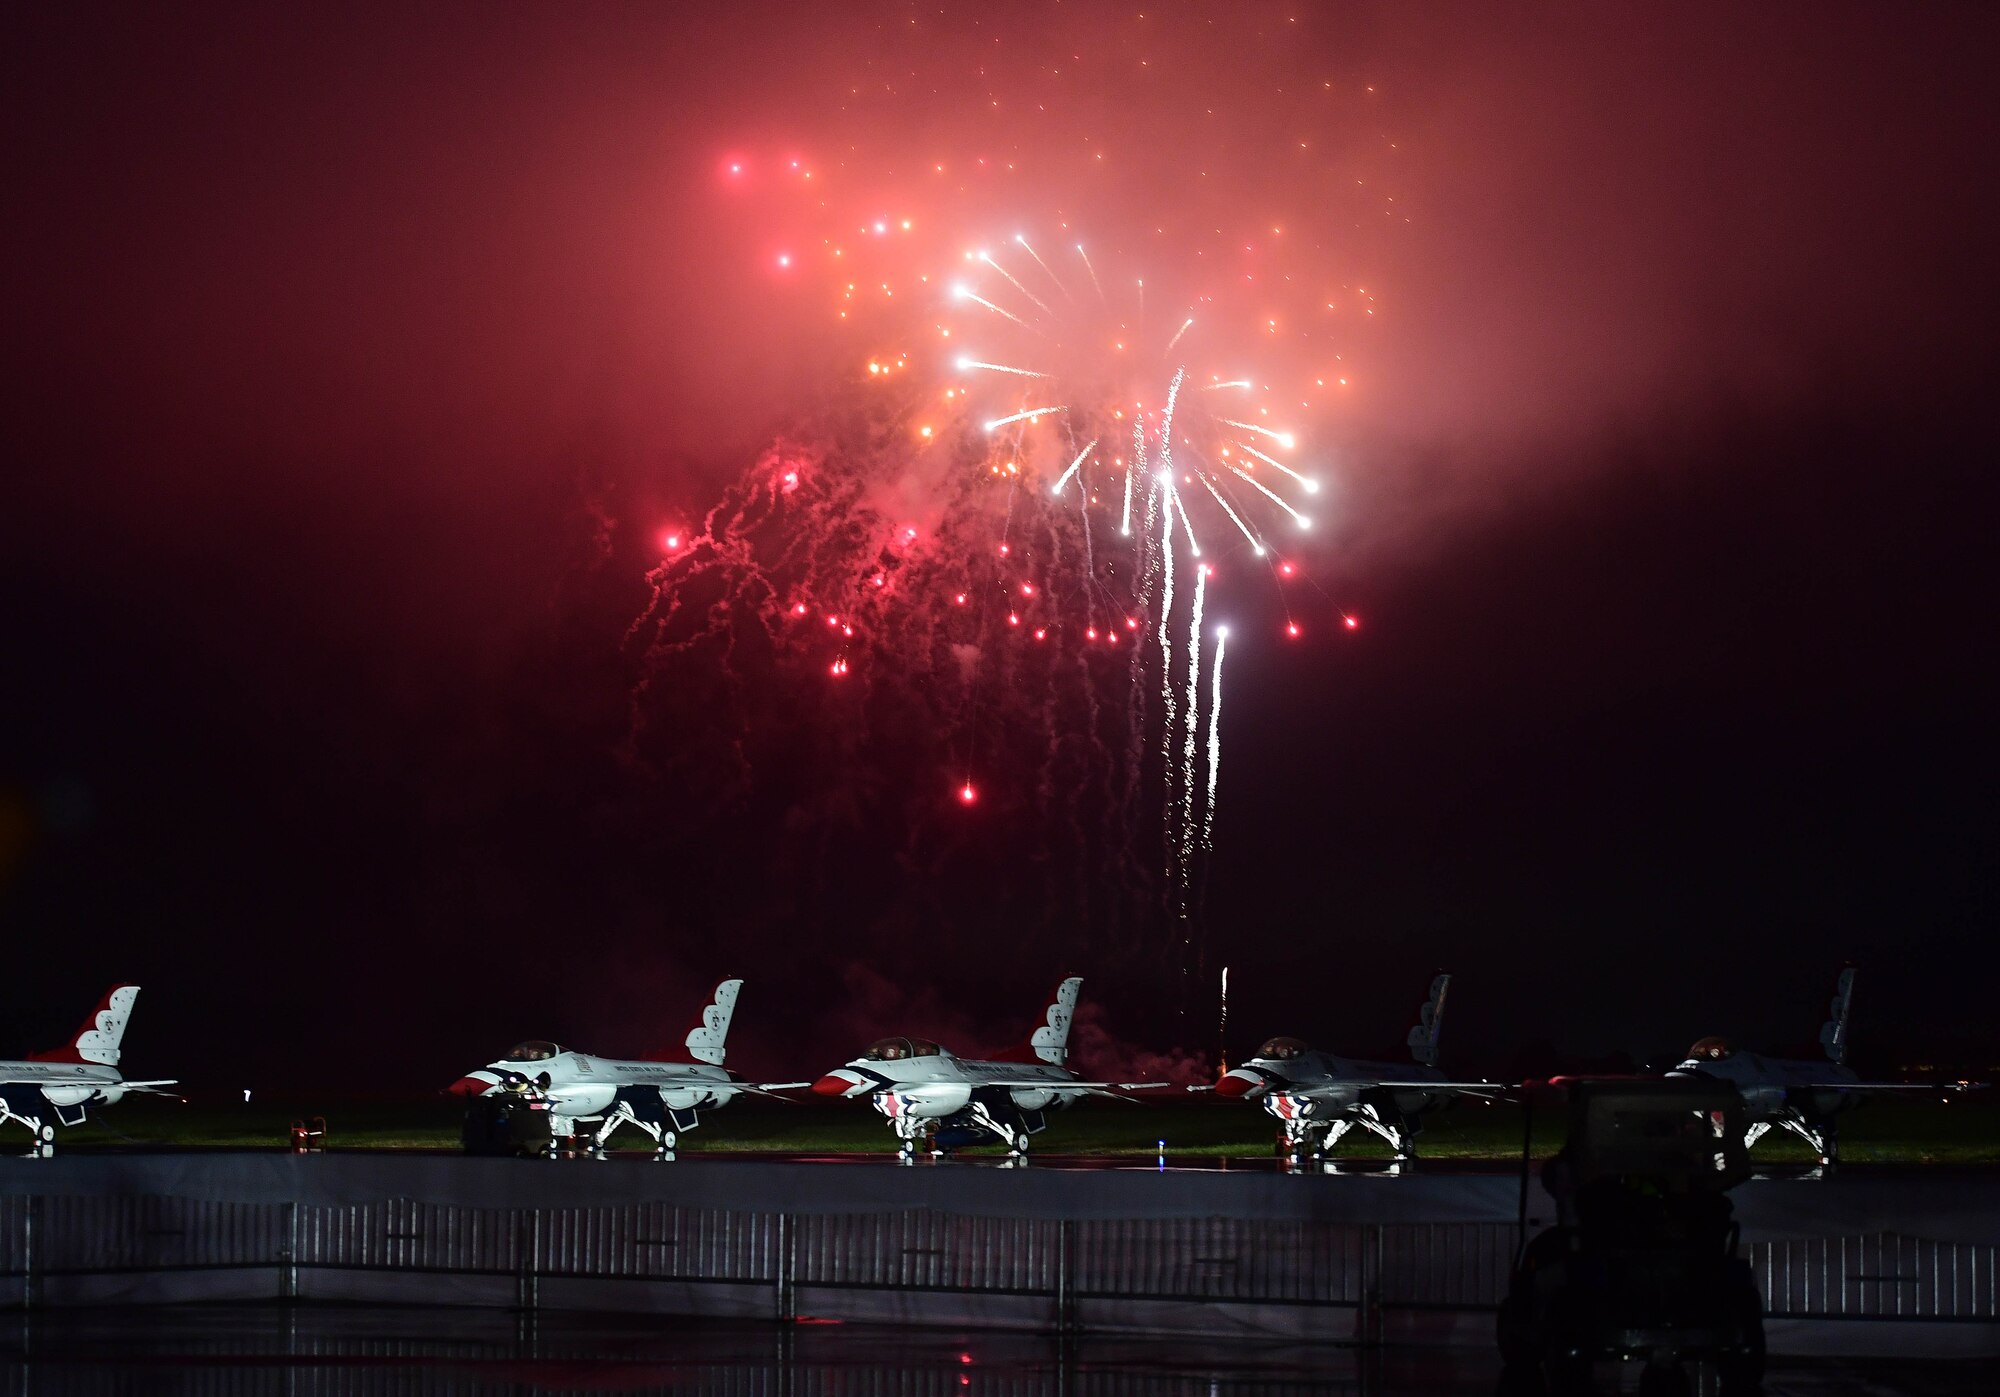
column 360, row 1351
column 1964, row 1130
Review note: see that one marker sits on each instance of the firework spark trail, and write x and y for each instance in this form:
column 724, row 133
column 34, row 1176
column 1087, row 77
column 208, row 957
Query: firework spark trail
column 966, row 293
column 1167, row 699
column 1300, row 519
column 1311, row 486
column 1028, row 416
column 1185, row 325
column 1092, row 270
column 1190, row 734
column 1233, row 383
column 1001, row 369
column 1174, row 496
column 1167, row 421
column 1075, row 466
column 1045, row 267
column 1148, row 564
column 1134, row 467
column 1283, row 439
column 1214, row 744
column 1234, row 518
column 1017, row 285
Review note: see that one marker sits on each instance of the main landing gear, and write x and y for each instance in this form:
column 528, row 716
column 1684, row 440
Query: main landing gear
column 1822, row 1140
column 1014, row 1137
column 663, row 1136
column 977, row 1124
column 1304, row 1138
column 42, row 1134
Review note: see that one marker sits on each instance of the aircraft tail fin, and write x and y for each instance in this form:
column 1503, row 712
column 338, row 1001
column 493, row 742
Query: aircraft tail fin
column 98, row 1038
column 1423, row 1039
column 708, row 1040
column 1050, row 1042
column 1833, row 1033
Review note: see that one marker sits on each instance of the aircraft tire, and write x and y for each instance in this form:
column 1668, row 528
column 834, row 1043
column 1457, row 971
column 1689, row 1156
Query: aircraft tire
column 46, row 1134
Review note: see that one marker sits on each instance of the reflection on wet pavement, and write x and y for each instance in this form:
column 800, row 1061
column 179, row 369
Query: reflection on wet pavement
column 365, row 1351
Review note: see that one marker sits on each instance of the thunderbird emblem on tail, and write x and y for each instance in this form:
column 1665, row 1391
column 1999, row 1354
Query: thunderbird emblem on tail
column 58, row 1086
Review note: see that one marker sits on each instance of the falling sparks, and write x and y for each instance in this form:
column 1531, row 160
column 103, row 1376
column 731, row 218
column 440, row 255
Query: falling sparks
column 1042, row 305
column 1311, row 486
column 966, row 293
column 1028, row 416
column 1074, row 467
column 1016, row 611
column 1283, row 439
column 999, row 368
column 1191, row 730
column 1214, row 754
column 1092, row 270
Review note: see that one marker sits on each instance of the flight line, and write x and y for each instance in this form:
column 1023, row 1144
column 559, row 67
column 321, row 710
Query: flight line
column 541, row 1098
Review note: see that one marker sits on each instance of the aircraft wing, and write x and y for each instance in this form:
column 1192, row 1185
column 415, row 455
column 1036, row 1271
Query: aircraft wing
column 770, row 1089
column 1885, row 1086
column 1102, row 1088
column 153, row 1087
column 1482, row 1089
column 1486, row 1089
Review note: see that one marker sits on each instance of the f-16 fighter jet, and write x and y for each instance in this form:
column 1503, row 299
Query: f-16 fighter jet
column 1801, row 1097
column 925, row 1089
column 1318, row 1097
column 57, row 1087
column 662, row 1098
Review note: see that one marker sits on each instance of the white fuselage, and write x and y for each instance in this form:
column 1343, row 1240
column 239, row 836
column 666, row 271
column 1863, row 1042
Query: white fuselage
column 67, row 1084
column 580, row 1086
column 939, row 1085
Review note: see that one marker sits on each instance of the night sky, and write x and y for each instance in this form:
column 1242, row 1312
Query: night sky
column 359, row 362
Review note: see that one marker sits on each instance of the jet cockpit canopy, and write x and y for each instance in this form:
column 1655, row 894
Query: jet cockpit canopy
column 534, row 1050
column 897, row 1049
column 1283, row 1049
column 1710, row 1049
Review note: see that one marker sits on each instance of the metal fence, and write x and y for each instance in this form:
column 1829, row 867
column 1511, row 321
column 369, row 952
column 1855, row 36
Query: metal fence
column 79, row 1248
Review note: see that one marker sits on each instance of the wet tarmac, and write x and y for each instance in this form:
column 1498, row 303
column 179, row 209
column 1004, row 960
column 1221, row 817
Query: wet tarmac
column 363, row 1351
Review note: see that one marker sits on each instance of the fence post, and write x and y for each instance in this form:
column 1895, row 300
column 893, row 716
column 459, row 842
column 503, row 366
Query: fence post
column 1368, row 1318
column 30, row 1290
column 527, row 1289
column 1066, row 1276
column 288, row 1256
column 787, row 1301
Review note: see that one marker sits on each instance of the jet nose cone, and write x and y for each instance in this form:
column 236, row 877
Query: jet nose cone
column 836, row 1084
column 1239, row 1083
column 471, row 1086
